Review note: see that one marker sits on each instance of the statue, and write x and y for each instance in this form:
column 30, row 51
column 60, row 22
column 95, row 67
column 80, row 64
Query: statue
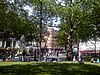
column 22, row 43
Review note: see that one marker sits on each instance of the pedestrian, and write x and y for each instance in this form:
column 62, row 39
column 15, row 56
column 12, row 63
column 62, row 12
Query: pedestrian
column 44, row 58
column 4, row 58
column 74, row 59
column 24, row 54
column 31, row 51
column 80, row 61
column 3, row 55
column 80, row 58
column 68, row 56
column 57, row 54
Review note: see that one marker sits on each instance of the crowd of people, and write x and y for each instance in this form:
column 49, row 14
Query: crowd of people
column 32, row 54
column 6, row 53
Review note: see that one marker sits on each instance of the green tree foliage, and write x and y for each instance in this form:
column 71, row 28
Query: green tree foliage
column 15, row 22
column 79, row 21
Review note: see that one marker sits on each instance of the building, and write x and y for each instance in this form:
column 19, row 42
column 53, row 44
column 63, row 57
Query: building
column 89, row 45
column 50, row 38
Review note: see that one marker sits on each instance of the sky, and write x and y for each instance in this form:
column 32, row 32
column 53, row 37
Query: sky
column 30, row 11
column 55, row 22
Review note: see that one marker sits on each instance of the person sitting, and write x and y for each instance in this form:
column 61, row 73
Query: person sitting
column 54, row 60
column 80, row 61
column 92, row 60
column 74, row 59
column 98, row 61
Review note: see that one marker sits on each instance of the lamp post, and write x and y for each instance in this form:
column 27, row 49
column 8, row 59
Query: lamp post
column 40, row 29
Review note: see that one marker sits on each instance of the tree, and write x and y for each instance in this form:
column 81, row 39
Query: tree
column 15, row 21
column 76, row 17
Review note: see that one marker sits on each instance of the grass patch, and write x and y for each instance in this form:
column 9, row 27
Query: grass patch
column 34, row 68
column 14, row 63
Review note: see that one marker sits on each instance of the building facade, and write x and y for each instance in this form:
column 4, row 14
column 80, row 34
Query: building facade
column 51, row 38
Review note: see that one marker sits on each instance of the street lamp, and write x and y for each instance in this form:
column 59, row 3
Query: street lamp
column 40, row 29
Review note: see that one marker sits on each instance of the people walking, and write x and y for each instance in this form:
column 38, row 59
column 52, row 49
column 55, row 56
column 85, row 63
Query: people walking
column 24, row 54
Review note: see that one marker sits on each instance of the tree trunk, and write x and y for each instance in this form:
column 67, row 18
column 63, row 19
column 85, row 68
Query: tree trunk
column 70, row 49
column 65, row 47
column 71, row 31
column 95, row 49
column 70, row 39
